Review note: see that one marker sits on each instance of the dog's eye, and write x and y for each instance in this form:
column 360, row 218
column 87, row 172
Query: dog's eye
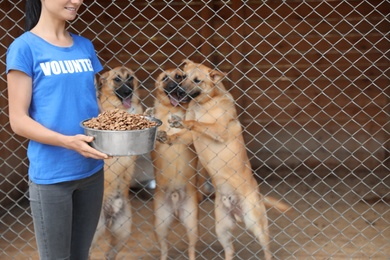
column 197, row 81
column 117, row 79
column 180, row 77
column 165, row 78
column 130, row 78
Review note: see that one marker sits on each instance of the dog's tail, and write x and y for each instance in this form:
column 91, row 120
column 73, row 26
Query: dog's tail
column 275, row 203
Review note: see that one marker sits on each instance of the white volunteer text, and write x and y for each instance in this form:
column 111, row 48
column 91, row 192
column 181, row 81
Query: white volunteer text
column 66, row 66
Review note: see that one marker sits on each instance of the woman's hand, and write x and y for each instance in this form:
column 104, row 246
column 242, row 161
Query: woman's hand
column 79, row 143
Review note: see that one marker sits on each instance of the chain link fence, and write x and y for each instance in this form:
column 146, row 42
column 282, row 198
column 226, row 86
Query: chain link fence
column 310, row 80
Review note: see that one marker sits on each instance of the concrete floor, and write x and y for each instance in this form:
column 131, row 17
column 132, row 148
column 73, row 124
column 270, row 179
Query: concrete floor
column 333, row 218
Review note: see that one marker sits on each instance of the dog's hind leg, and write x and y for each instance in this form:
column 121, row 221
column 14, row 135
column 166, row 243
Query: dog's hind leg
column 189, row 218
column 224, row 224
column 118, row 222
column 256, row 221
column 163, row 216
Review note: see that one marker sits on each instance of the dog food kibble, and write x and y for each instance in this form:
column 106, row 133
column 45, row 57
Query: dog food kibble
column 119, row 120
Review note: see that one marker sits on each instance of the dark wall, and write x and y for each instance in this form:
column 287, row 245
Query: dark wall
column 310, row 79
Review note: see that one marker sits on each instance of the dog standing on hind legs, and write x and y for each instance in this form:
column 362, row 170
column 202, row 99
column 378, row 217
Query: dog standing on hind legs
column 211, row 124
column 175, row 168
column 118, row 89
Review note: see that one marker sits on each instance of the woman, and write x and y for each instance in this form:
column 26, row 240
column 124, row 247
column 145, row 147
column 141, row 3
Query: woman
column 50, row 74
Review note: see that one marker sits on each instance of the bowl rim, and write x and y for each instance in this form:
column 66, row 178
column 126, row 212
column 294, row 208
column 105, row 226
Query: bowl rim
column 159, row 123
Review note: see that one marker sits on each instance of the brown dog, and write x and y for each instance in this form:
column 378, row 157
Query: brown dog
column 211, row 124
column 175, row 168
column 118, row 88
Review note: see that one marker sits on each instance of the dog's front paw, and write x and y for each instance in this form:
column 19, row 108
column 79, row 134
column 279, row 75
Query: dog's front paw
column 149, row 112
column 175, row 122
column 162, row 137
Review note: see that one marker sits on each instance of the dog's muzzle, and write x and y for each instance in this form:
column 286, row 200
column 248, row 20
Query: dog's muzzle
column 124, row 92
column 178, row 94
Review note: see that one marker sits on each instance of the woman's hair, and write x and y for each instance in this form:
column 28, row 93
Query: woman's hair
column 33, row 12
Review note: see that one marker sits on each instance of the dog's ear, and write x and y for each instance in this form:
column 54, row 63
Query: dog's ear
column 103, row 79
column 186, row 62
column 216, row 75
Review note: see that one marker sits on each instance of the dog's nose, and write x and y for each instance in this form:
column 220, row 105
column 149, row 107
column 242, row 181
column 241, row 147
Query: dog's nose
column 181, row 92
column 124, row 91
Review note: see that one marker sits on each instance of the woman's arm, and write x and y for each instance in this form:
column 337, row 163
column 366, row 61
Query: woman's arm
column 19, row 97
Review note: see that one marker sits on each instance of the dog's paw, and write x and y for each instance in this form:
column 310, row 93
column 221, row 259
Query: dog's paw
column 149, row 112
column 162, row 137
column 113, row 207
column 175, row 122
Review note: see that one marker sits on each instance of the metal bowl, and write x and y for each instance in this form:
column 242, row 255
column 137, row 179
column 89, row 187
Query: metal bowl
column 123, row 143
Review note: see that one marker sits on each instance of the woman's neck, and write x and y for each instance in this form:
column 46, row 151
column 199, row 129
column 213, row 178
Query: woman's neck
column 53, row 32
column 58, row 37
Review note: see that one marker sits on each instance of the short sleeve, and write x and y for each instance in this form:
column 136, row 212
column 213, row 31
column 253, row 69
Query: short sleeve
column 97, row 66
column 19, row 57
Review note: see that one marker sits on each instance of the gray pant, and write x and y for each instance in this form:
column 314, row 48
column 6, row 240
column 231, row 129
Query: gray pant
column 65, row 216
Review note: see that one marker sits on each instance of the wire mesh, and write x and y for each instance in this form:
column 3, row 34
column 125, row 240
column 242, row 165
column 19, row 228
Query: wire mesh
column 310, row 81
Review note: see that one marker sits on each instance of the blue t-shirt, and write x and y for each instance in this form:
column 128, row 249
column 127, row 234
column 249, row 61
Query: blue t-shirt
column 63, row 95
